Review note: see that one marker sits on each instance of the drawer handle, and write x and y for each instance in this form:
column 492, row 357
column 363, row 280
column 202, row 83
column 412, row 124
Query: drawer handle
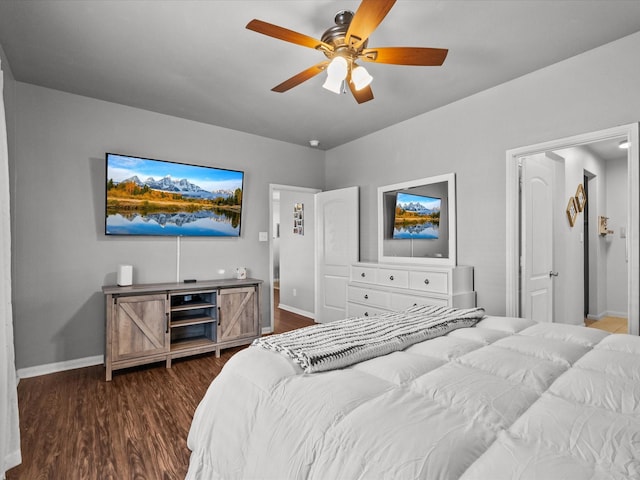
column 366, row 297
column 366, row 314
column 363, row 274
column 426, row 281
column 390, row 277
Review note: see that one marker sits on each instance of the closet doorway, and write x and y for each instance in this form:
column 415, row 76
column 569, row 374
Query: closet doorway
column 577, row 285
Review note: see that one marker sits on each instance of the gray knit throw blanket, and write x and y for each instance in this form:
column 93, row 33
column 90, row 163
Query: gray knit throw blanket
column 334, row 345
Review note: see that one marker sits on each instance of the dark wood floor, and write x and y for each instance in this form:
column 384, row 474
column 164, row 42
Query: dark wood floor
column 74, row 425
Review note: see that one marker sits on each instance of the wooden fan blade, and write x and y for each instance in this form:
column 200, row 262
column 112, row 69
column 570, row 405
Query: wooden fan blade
column 287, row 35
column 427, row 57
column 301, row 77
column 366, row 19
column 363, row 95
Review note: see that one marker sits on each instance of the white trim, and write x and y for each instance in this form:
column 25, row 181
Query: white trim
column 633, row 219
column 616, row 314
column 512, row 236
column 60, row 366
column 608, row 314
column 297, row 311
column 266, row 330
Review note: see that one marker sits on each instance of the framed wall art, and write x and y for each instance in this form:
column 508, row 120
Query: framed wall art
column 572, row 211
column 298, row 219
column 581, row 197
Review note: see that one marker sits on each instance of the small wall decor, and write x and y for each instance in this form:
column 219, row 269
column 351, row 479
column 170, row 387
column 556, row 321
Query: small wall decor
column 603, row 228
column 572, row 210
column 298, row 219
column 581, row 197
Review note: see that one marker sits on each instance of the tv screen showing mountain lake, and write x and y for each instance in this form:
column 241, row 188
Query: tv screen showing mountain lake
column 154, row 197
column 416, row 216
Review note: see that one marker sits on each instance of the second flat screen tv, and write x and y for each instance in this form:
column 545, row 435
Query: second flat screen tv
column 416, row 216
column 157, row 197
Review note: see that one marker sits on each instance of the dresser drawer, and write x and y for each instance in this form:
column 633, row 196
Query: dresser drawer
column 357, row 310
column 393, row 278
column 368, row 296
column 401, row 301
column 434, row 282
column 363, row 274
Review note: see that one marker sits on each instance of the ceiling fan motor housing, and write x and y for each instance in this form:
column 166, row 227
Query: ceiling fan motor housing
column 336, row 36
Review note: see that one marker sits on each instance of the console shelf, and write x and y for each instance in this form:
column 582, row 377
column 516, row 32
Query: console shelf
column 192, row 306
column 191, row 320
column 159, row 322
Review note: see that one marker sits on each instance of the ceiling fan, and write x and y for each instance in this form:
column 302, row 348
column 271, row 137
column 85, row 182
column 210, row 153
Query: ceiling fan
column 344, row 44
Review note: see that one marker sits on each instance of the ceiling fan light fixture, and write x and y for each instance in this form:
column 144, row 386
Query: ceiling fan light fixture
column 360, row 78
column 336, row 73
column 334, row 86
column 624, row 144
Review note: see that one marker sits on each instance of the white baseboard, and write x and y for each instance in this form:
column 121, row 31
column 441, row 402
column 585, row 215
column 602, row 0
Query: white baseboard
column 59, row 366
column 297, row 311
column 607, row 314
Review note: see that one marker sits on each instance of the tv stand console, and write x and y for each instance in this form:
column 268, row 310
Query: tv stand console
column 159, row 322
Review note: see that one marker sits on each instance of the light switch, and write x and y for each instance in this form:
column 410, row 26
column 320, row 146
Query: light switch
column 623, row 232
column 263, row 236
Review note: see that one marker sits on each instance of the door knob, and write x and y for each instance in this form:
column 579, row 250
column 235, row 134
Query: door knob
column 553, row 274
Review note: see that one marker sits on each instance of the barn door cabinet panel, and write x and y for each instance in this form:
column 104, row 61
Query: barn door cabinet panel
column 159, row 322
column 237, row 315
column 139, row 326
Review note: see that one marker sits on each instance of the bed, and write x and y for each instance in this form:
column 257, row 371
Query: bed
column 505, row 399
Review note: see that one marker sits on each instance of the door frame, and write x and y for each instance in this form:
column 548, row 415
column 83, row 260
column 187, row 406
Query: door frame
column 629, row 131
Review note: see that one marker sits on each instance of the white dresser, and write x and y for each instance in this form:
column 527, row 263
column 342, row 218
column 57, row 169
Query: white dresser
column 377, row 287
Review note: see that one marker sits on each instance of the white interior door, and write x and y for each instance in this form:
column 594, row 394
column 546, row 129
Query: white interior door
column 337, row 244
column 537, row 238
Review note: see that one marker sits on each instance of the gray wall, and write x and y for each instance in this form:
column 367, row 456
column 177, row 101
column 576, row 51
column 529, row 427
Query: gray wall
column 593, row 91
column 62, row 257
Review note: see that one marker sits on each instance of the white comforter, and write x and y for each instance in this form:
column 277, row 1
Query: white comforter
column 507, row 399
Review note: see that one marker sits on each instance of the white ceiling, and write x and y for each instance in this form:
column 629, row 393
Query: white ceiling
column 196, row 60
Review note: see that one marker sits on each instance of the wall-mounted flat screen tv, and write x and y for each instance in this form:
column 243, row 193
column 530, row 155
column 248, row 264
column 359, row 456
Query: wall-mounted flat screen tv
column 416, row 216
column 157, row 197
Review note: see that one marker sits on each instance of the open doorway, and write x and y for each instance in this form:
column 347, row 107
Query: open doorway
column 291, row 251
column 569, row 264
column 313, row 242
